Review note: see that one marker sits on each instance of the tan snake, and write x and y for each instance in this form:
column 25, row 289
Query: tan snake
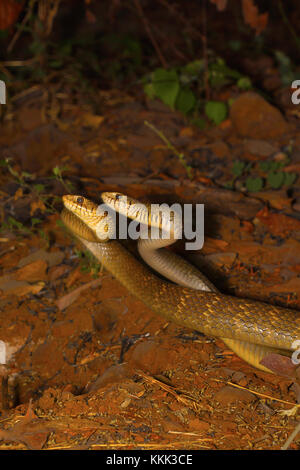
column 249, row 327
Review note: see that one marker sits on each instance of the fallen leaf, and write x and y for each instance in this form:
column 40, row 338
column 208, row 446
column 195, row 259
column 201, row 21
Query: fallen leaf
column 32, row 272
column 52, row 258
column 212, row 245
column 220, row 4
column 68, row 299
column 280, row 365
column 91, row 120
column 30, row 430
column 18, row 194
column 90, row 17
column 58, row 271
column 253, row 18
column 37, row 205
column 9, row 12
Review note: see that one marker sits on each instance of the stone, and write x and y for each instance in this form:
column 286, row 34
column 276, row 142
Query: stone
column 254, row 117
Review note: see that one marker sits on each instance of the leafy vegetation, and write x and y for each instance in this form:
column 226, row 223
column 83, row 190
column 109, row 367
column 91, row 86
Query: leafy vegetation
column 41, row 199
column 182, row 88
column 267, row 174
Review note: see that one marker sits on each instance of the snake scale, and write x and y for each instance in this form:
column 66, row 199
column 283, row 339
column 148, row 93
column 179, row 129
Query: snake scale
column 250, row 328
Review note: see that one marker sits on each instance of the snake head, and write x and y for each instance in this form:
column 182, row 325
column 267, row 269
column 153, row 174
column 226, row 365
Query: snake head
column 95, row 217
column 80, row 206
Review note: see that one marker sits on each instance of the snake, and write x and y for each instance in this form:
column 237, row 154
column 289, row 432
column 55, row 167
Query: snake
column 250, row 328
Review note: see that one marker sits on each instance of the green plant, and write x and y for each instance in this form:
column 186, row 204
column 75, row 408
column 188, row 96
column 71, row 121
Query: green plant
column 44, row 200
column 265, row 174
column 216, row 111
column 88, row 263
column 170, row 146
column 183, row 88
column 286, row 68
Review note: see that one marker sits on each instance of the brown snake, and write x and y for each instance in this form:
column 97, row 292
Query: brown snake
column 251, row 328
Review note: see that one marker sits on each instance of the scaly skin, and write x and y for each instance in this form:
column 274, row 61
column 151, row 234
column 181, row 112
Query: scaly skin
column 250, row 323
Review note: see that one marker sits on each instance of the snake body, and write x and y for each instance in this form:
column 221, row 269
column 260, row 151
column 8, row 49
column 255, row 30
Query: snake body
column 251, row 328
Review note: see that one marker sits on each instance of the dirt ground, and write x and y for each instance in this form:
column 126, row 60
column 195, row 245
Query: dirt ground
column 88, row 365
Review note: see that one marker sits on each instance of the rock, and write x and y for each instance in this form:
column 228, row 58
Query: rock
column 153, row 357
column 261, row 148
column 230, row 394
column 254, row 117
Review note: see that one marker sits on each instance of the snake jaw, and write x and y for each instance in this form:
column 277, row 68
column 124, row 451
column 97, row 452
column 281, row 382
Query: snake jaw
column 96, row 217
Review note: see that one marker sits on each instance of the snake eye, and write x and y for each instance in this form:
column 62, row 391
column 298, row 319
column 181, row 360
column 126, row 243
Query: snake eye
column 80, row 200
column 118, row 196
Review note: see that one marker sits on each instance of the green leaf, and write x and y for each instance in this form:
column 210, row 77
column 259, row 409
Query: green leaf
column 220, row 74
column 56, row 64
column 238, row 168
column 35, row 221
column 199, row 122
column 274, row 165
column 244, row 83
column 264, row 166
column 193, row 68
column 39, row 188
column 289, row 178
column 229, row 184
column 216, row 111
column 185, row 101
column 166, row 85
column 235, row 45
column 60, row 223
column 254, row 184
column 56, row 171
column 149, row 90
column 275, row 179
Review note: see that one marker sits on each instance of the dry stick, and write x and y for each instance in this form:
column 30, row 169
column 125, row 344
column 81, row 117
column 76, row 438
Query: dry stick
column 291, row 438
column 288, row 23
column 257, row 393
column 174, row 12
column 149, row 32
column 21, row 27
column 194, row 32
column 47, row 13
column 205, row 58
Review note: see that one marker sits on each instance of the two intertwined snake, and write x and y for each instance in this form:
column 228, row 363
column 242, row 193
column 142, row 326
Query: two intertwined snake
column 249, row 327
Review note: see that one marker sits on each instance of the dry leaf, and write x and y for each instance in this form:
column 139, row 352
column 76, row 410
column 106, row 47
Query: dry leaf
column 18, row 194
column 52, row 258
column 91, row 120
column 280, row 365
column 30, row 430
column 32, row 272
column 9, row 12
column 68, row 299
column 90, row 17
column 220, row 4
column 253, row 18
column 37, row 205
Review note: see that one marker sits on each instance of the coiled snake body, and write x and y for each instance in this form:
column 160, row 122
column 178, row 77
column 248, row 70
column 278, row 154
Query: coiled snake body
column 249, row 327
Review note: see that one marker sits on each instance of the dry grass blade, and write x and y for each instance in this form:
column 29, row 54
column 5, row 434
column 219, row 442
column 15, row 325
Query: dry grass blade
column 263, row 395
column 180, row 396
column 291, row 437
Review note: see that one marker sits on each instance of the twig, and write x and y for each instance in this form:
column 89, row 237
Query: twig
column 47, row 13
column 257, row 393
column 170, row 146
column 291, row 437
column 149, row 32
column 18, row 63
column 182, row 19
column 205, row 58
column 288, row 23
column 21, row 27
